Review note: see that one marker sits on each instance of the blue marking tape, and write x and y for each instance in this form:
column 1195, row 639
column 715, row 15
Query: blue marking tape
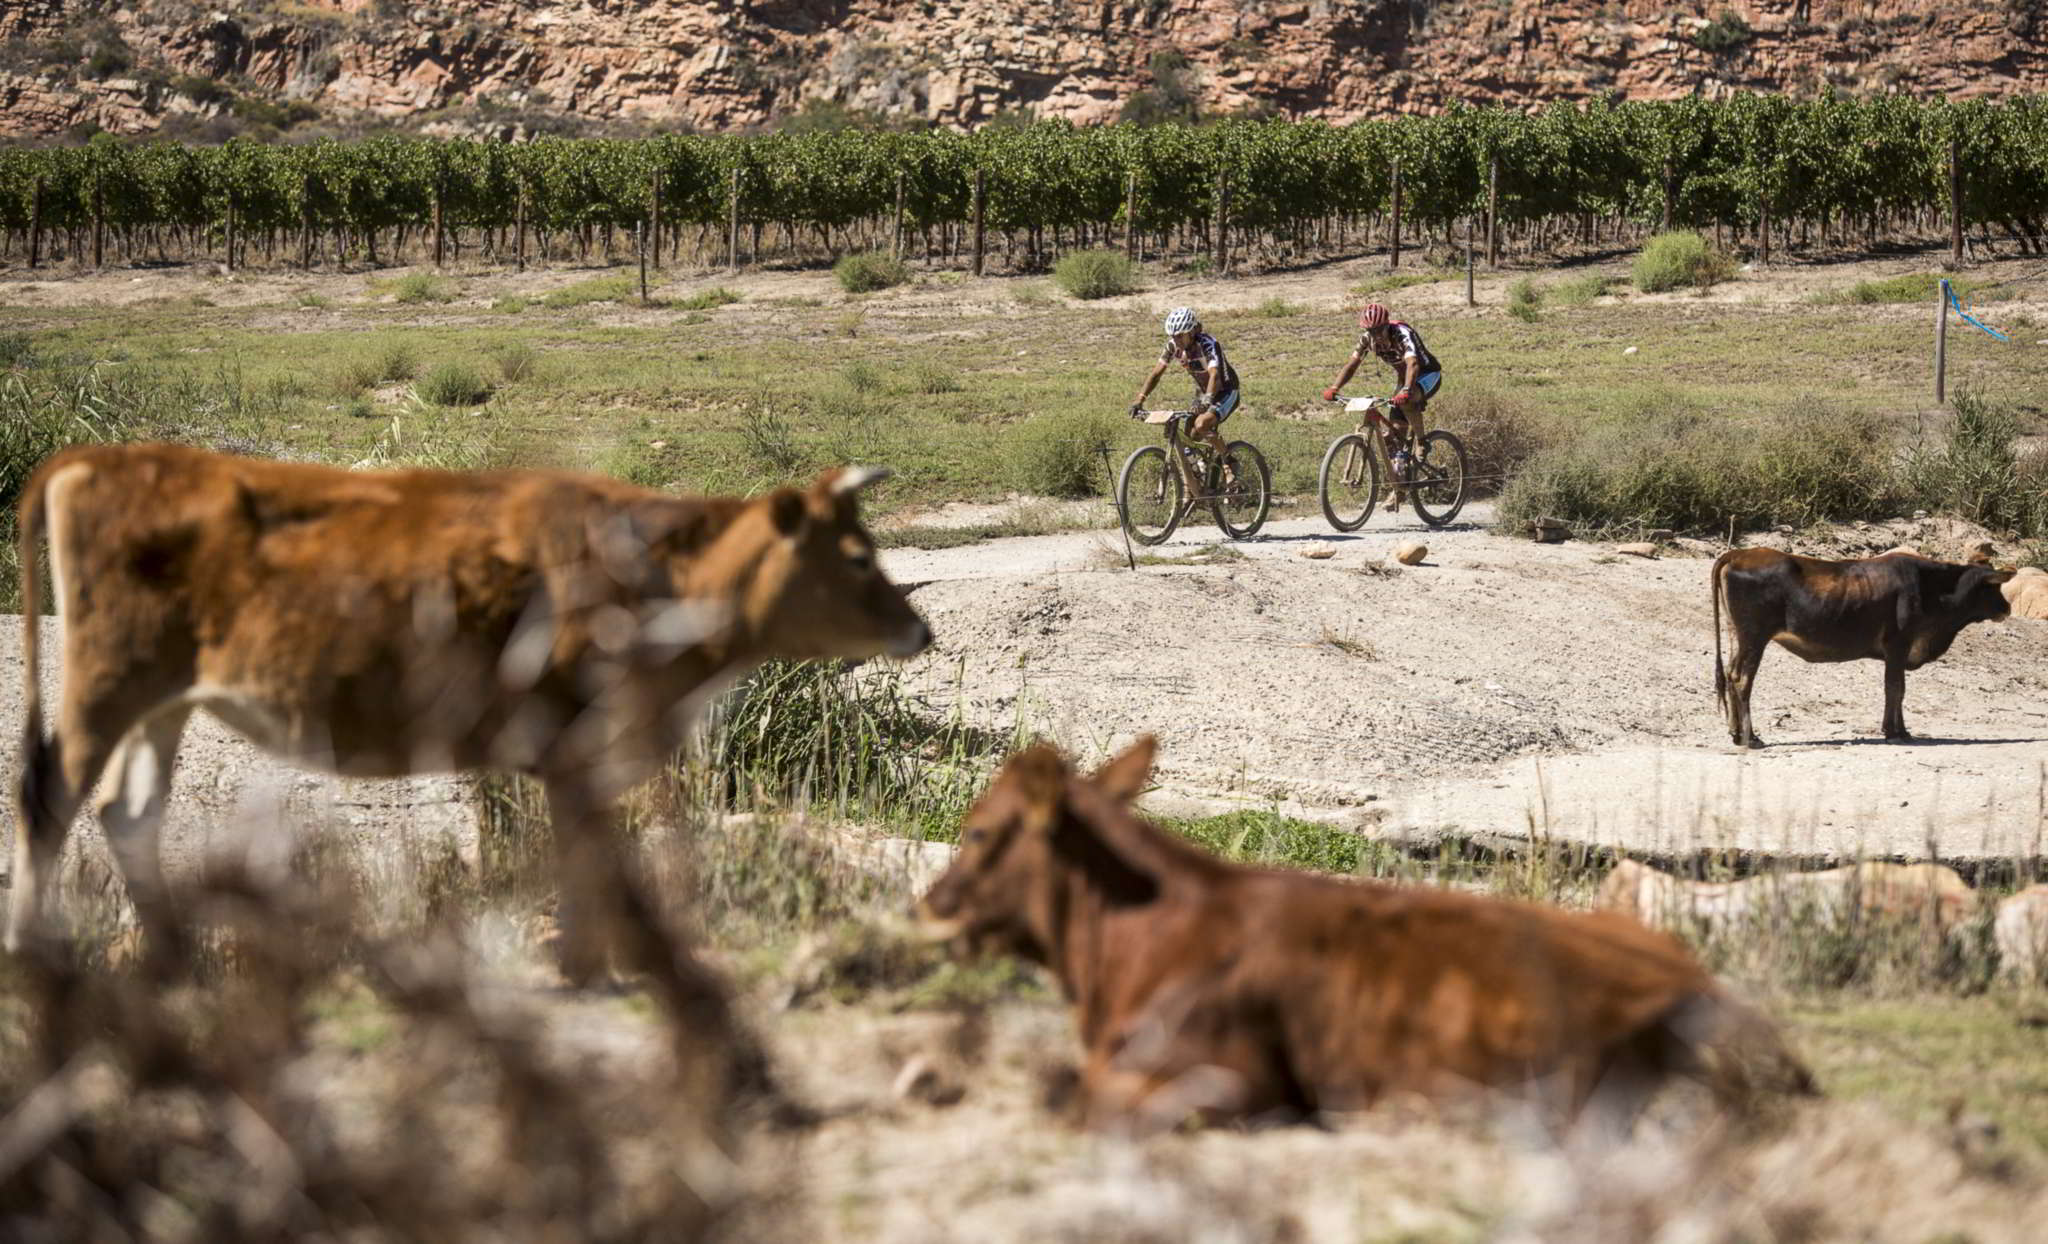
column 1969, row 319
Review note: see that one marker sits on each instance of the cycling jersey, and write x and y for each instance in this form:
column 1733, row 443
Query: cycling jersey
column 1402, row 342
column 1204, row 353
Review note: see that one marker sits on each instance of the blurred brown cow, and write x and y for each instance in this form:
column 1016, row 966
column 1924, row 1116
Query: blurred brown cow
column 388, row 623
column 1204, row 987
column 1899, row 608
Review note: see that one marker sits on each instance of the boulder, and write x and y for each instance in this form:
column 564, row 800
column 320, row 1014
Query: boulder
column 1319, row 551
column 1549, row 530
column 1410, row 553
column 2028, row 596
column 1637, row 550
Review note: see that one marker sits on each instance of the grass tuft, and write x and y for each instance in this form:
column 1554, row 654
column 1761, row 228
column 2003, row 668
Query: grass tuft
column 596, row 289
column 1525, row 301
column 1089, row 275
column 1059, row 455
column 1675, row 260
column 454, row 384
column 706, row 299
column 869, row 271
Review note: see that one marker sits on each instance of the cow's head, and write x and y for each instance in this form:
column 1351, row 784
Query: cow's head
column 801, row 570
column 1039, row 839
column 1979, row 595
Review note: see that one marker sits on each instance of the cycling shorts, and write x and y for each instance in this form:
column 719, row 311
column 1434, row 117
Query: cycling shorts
column 1226, row 402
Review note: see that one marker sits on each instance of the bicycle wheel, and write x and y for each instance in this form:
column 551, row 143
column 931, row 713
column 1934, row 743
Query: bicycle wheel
column 1436, row 478
column 1148, row 493
column 1241, row 504
column 1349, row 482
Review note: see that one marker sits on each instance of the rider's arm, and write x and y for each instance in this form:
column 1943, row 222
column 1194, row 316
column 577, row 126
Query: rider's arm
column 1344, row 377
column 1214, row 384
column 1151, row 381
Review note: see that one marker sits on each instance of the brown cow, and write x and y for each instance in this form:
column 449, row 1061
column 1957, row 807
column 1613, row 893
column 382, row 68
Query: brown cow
column 1202, row 986
column 1899, row 608
column 388, row 623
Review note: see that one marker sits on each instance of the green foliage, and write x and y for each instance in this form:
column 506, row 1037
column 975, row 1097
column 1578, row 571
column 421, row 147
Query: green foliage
column 869, row 271
column 1169, row 100
column 418, row 287
column 395, row 362
column 1525, row 301
column 1667, row 466
column 933, row 378
column 1095, row 274
column 1271, row 839
column 516, row 361
column 1278, row 308
column 1579, row 291
column 454, row 384
column 1675, row 260
column 1978, row 472
column 1059, row 455
column 1910, row 287
column 1724, row 34
column 705, row 299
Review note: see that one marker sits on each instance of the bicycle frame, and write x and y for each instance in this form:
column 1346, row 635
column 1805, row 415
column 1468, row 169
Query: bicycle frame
column 1186, row 454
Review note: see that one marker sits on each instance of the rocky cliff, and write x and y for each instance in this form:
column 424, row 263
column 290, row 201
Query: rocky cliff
column 69, row 66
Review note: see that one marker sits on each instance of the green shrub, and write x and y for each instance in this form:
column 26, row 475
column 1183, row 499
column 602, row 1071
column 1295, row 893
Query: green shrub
column 1979, row 473
column 354, row 375
column 1690, row 471
column 862, row 377
column 16, row 350
column 1579, row 291
column 1673, row 260
column 397, row 361
column 869, row 271
column 510, row 304
column 705, row 299
column 360, row 408
column 417, row 287
column 516, row 361
column 1525, row 301
column 1911, row 287
column 1059, row 456
column 453, row 384
column 1724, row 34
column 932, row 379
column 1095, row 274
column 312, row 301
column 1278, row 308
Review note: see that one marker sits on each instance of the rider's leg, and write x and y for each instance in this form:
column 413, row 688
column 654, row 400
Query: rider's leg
column 1396, row 442
column 1208, row 430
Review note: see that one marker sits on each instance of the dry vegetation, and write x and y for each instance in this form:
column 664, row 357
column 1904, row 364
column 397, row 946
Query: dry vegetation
column 366, row 1047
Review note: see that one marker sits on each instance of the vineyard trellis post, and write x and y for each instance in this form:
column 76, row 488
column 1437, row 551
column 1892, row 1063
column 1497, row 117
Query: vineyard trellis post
column 1670, row 196
column 99, row 220
column 438, row 196
column 306, row 223
column 1395, row 261
column 1222, row 225
column 1470, row 300
column 640, row 246
column 519, row 226
column 732, row 222
column 1493, row 211
column 896, row 230
column 654, row 221
column 1763, row 229
column 228, row 230
column 1941, row 344
column 35, row 224
column 1131, row 216
column 1955, row 202
column 980, row 220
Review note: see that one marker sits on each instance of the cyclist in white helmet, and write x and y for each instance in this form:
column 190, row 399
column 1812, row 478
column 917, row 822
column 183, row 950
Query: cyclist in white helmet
column 1216, row 389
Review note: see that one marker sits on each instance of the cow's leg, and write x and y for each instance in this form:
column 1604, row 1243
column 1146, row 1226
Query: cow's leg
column 131, row 814
column 57, row 774
column 1749, row 654
column 1895, row 700
column 585, row 859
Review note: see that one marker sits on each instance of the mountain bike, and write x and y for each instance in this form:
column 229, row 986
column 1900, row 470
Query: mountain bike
column 1433, row 473
column 1160, row 484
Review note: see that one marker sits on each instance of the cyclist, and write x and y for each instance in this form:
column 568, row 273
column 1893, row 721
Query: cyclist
column 1416, row 371
column 1216, row 389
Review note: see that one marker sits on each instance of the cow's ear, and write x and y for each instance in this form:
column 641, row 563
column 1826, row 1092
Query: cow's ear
column 786, row 509
column 1041, row 776
column 1125, row 776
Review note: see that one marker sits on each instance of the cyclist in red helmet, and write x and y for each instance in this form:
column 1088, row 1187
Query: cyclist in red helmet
column 1417, row 375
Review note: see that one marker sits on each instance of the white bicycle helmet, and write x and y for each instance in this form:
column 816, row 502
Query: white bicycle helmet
column 1181, row 320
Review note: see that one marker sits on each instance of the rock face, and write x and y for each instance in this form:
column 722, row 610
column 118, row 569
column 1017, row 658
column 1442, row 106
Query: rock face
column 725, row 64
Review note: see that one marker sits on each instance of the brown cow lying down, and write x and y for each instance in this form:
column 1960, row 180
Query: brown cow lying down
column 1204, row 987
column 1898, row 608
column 1872, row 889
column 379, row 624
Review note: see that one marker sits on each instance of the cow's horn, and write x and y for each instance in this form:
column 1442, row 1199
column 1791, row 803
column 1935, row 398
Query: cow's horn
column 852, row 479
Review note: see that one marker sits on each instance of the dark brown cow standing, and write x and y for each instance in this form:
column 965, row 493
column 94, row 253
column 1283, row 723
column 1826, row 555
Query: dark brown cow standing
column 1205, row 988
column 1898, row 608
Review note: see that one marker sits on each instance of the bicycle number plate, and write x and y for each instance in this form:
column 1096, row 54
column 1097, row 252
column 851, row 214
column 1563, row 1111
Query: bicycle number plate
column 1161, row 416
column 1360, row 405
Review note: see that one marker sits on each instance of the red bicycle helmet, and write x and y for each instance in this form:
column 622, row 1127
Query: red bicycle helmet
column 1374, row 315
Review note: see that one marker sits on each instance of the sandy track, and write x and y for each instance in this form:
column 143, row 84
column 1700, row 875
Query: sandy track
column 1501, row 686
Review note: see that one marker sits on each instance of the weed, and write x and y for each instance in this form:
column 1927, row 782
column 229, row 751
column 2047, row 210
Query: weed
column 1978, row 473
column 596, row 289
column 1580, row 291
column 1059, row 455
column 16, row 350
column 1350, row 645
column 1911, row 287
column 1031, row 294
column 849, row 324
column 355, row 375
column 511, row 304
column 1278, row 308
column 771, row 443
column 869, row 271
column 1673, row 260
column 1089, row 275
column 416, row 287
column 454, row 384
column 516, row 361
column 1500, row 433
column 705, row 299
column 862, row 377
column 932, row 379
column 1389, row 282
column 1263, row 837
column 359, row 408
column 395, row 362
column 1525, row 301
column 312, row 301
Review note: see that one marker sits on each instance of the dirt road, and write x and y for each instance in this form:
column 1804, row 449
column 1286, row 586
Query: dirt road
column 1500, row 687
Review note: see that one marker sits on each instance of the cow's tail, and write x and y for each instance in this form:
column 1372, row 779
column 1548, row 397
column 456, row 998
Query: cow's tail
column 35, row 760
column 1717, row 587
